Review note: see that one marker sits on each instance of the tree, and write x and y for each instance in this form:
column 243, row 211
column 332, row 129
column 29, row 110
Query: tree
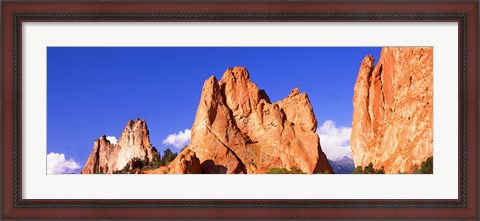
column 136, row 163
column 427, row 167
column 155, row 162
column 168, row 156
column 369, row 169
column 381, row 170
column 358, row 170
column 293, row 170
column 277, row 171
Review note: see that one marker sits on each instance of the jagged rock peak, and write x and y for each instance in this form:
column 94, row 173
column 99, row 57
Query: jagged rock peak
column 210, row 87
column 294, row 92
column 237, row 73
column 134, row 142
column 298, row 110
column 134, row 130
column 137, row 124
column 368, row 61
column 238, row 130
column 211, row 81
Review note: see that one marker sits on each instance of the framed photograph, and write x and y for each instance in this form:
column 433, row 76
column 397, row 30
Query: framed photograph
column 200, row 109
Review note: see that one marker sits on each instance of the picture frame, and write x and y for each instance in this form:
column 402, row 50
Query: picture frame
column 14, row 13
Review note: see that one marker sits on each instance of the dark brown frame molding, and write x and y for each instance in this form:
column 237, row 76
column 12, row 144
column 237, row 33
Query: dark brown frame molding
column 465, row 13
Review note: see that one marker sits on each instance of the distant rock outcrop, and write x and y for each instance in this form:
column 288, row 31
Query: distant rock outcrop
column 238, row 130
column 133, row 143
column 392, row 122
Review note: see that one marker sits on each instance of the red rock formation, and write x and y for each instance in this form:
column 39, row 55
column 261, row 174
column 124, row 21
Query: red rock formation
column 133, row 143
column 185, row 163
column 392, row 122
column 238, row 130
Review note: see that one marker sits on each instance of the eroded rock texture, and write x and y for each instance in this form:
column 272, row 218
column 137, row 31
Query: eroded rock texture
column 238, row 130
column 133, row 143
column 392, row 122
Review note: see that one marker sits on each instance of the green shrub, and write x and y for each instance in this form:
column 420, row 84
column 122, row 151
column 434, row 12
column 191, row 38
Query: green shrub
column 293, row 170
column 155, row 163
column 168, row 156
column 427, row 167
column 277, row 171
column 100, row 171
column 368, row 170
column 146, row 164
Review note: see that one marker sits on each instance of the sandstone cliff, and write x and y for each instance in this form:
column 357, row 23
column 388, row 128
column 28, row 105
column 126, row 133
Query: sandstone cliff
column 392, row 123
column 238, row 130
column 133, row 143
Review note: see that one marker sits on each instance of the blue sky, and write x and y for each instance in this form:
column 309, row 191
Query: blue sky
column 93, row 91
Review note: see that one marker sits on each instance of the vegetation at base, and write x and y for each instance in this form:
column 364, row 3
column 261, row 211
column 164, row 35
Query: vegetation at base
column 326, row 172
column 131, row 167
column 155, row 161
column 368, row 170
column 100, row 171
column 168, row 156
column 427, row 167
column 293, row 170
column 140, row 165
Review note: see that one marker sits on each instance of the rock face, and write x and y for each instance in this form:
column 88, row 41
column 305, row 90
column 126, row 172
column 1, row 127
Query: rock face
column 392, row 122
column 238, row 130
column 133, row 143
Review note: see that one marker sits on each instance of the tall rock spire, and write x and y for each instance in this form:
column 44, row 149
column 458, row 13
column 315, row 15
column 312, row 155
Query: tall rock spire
column 392, row 123
column 134, row 142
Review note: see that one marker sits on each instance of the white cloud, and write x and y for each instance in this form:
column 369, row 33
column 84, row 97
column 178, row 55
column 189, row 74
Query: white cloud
column 335, row 141
column 112, row 139
column 178, row 140
column 57, row 164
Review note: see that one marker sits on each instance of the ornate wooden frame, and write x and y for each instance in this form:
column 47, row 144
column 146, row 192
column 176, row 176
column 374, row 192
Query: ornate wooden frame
column 16, row 12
